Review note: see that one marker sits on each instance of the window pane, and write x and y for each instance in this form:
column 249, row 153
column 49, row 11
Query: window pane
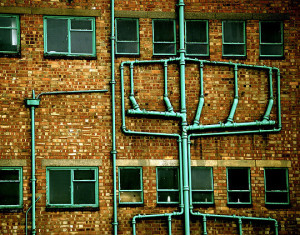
column 233, row 32
column 127, row 47
column 202, row 197
column 234, row 49
column 168, row 196
column 9, row 193
column 57, row 35
column 60, row 187
column 239, row 197
column 163, row 31
column 130, row 179
column 130, row 196
column 127, row 30
column 8, row 22
column 164, row 48
column 201, row 178
column 277, row 197
column 238, row 179
column 167, row 178
column 270, row 32
column 84, row 193
column 82, row 42
column 275, row 50
column 196, row 31
column 276, row 179
column 196, row 49
column 9, row 175
column 81, row 24
column 8, row 40
column 84, row 175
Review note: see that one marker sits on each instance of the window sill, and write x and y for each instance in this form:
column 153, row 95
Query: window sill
column 70, row 57
column 12, row 210
column 88, row 208
column 265, row 57
column 240, row 205
column 10, row 55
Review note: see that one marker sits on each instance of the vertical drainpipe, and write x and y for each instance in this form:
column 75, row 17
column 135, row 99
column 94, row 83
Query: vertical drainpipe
column 32, row 103
column 113, row 117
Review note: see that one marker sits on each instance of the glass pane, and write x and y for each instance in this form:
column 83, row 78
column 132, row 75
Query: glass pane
column 276, row 179
column 274, row 50
column 9, row 175
column 196, row 49
column 130, row 179
column 8, row 22
column 164, row 48
column 60, row 186
column 168, row 196
column 234, row 49
column 239, row 197
column 238, row 179
column 270, row 32
column 201, row 178
column 81, row 24
column 196, row 31
column 9, row 193
column 202, row 197
column 127, row 47
column 277, row 197
column 84, row 193
column 57, row 35
column 8, row 40
column 167, row 178
column 82, row 42
column 84, row 175
column 130, row 196
column 127, row 30
column 233, row 31
column 163, row 31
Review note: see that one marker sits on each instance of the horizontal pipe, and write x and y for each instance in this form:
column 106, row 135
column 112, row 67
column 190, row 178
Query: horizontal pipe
column 69, row 92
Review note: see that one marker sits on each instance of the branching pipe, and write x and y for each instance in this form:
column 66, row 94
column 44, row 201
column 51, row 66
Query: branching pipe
column 271, row 101
column 201, row 97
column 26, row 215
column 166, row 99
column 236, row 96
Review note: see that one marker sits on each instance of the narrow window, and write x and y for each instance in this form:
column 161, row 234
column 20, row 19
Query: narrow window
column 167, row 185
column 9, row 34
column 202, row 185
column 196, row 37
column 130, row 185
column 127, row 40
column 66, row 36
column 164, row 39
column 271, row 39
column 72, row 187
column 238, row 186
column 234, row 38
column 276, row 186
column 11, row 193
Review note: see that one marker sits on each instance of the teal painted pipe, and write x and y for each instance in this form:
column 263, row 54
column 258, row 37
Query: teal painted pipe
column 33, row 179
column 201, row 99
column 166, row 99
column 236, row 96
column 170, row 224
column 26, row 215
column 271, row 101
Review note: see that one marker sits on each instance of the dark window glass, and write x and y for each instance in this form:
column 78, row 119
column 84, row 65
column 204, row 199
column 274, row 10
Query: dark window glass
column 60, row 187
column 9, row 34
column 168, row 196
column 8, row 22
column 84, row 175
column 233, row 32
column 238, row 179
column 57, row 35
column 84, row 192
column 9, row 175
column 9, row 193
column 81, row 24
column 270, row 32
column 202, row 197
column 196, row 31
column 167, row 178
column 201, row 178
column 82, row 42
column 196, row 49
column 130, row 179
column 163, row 30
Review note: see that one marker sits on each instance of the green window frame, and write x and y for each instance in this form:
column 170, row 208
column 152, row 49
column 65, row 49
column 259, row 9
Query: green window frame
column 131, row 185
column 234, row 38
column 11, row 187
column 9, row 34
column 167, row 183
column 164, row 36
column 276, row 186
column 271, row 39
column 72, row 187
column 197, row 37
column 69, row 36
column 202, row 185
column 238, row 186
column 127, row 36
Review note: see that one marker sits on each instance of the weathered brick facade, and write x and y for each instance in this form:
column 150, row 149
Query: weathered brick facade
column 76, row 130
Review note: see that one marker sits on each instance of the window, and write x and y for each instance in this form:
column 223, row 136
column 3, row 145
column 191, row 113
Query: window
column 11, row 187
column 164, row 37
column 127, row 40
column 130, row 185
column 276, row 186
column 238, row 186
column 196, row 37
column 72, row 187
column 167, row 185
column 202, row 185
column 271, row 39
column 9, row 34
column 69, row 36
column 234, row 38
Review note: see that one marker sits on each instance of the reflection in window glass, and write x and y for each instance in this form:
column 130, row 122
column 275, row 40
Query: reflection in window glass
column 9, row 34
